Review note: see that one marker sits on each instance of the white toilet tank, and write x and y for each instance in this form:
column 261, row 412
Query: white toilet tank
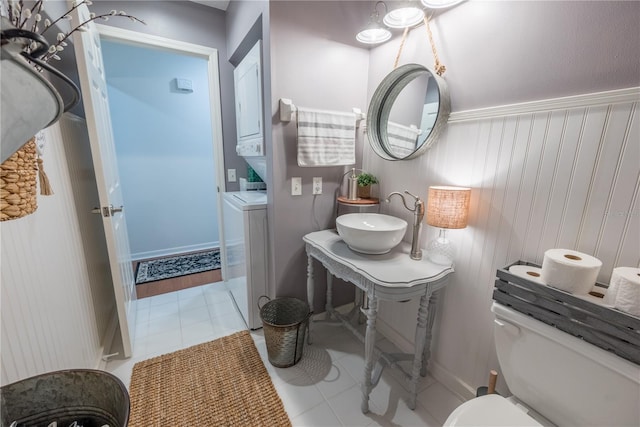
column 565, row 379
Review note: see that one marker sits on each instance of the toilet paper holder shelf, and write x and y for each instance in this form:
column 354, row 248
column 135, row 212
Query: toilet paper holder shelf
column 600, row 325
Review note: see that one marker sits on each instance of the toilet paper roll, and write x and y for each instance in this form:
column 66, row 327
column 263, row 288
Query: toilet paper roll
column 529, row 273
column 592, row 299
column 598, row 291
column 595, row 295
column 619, row 274
column 612, row 290
column 570, row 271
column 624, row 290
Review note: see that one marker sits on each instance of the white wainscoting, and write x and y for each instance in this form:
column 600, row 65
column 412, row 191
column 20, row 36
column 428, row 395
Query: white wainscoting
column 557, row 174
column 47, row 315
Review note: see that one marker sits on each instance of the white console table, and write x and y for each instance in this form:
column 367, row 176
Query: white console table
column 393, row 276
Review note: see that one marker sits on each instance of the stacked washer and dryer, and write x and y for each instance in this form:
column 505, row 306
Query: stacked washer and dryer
column 245, row 251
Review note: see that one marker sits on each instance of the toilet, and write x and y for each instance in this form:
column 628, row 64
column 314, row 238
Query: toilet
column 555, row 378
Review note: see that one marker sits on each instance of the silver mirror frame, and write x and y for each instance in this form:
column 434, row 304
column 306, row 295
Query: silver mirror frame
column 383, row 99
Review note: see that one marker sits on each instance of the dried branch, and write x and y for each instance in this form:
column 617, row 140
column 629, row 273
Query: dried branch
column 61, row 43
column 20, row 17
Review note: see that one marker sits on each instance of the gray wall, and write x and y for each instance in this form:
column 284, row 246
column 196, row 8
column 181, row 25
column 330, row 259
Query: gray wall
column 192, row 23
column 241, row 15
column 500, row 53
column 317, row 72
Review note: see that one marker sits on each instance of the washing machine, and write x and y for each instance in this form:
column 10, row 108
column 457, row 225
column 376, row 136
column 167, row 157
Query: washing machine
column 245, row 251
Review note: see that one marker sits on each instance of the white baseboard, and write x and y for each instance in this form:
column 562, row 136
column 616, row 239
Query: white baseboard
column 392, row 335
column 107, row 343
column 174, row 251
column 437, row 371
column 451, row 382
column 344, row 309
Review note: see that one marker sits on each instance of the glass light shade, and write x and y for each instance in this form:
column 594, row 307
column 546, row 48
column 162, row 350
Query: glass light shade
column 448, row 207
column 373, row 33
column 440, row 4
column 441, row 250
column 403, row 17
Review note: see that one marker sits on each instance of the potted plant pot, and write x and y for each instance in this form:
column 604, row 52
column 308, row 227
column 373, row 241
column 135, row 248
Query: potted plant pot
column 365, row 180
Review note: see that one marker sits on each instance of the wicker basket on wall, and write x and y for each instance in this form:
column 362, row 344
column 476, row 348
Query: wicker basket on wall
column 18, row 183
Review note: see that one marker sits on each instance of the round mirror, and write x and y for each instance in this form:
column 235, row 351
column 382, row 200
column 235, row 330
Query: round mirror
column 407, row 113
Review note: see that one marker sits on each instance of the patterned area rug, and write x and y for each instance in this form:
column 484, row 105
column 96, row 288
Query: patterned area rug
column 175, row 266
column 219, row 383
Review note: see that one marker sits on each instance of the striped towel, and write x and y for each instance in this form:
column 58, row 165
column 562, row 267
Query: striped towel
column 402, row 138
column 326, row 138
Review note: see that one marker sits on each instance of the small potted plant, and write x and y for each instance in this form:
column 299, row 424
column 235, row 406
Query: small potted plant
column 365, row 180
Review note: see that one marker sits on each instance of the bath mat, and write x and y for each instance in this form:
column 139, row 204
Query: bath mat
column 218, row 383
column 176, row 266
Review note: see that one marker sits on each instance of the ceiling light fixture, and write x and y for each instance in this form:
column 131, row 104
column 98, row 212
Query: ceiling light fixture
column 406, row 15
column 374, row 32
column 440, row 4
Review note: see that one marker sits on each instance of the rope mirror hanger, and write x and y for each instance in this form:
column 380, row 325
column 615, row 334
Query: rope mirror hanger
column 439, row 67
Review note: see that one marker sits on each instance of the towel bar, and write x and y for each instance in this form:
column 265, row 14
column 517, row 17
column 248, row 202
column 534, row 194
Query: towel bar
column 287, row 109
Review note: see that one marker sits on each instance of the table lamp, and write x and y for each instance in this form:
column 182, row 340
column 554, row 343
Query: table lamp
column 447, row 207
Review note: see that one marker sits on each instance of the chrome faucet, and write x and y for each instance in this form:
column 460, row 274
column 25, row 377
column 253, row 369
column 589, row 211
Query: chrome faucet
column 418, row 215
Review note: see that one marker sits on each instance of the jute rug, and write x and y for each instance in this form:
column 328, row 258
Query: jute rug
column 176, row 266
column 219, row 383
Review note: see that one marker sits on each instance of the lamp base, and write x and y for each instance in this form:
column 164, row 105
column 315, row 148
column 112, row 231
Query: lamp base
column 441, row 251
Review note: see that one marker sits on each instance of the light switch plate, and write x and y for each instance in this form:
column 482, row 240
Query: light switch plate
column 296, row 186
column 317, row 185
column 231, row 175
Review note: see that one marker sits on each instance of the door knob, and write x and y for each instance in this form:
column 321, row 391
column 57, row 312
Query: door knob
column 107, row 211
column 113, row 210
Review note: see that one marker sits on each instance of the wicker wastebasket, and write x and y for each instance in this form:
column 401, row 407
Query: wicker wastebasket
column 284, row 321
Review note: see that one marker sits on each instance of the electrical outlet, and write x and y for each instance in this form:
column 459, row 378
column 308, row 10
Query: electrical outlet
column 296, row 186
column 231, row 175
column 317, row 185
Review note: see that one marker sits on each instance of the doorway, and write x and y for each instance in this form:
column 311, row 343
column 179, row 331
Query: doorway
column 166, row 114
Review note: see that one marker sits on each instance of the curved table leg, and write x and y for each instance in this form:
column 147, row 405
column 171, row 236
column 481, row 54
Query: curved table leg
column 420, row 338
column 369, row 344
column 310, row 286
column 329, row 305
column 431, row 317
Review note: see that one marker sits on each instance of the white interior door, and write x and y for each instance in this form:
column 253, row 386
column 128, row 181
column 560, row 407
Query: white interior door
column 96, row 107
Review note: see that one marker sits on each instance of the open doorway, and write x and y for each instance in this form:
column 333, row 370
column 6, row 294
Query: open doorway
column 165, row 109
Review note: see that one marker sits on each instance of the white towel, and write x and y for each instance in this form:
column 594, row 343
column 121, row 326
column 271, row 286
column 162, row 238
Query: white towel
column 402, row 138
column 326, row 138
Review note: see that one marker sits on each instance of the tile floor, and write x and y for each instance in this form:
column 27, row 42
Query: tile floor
column 323, row 389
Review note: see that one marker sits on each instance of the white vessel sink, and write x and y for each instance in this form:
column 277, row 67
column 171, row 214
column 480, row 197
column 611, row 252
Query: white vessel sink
column 371, row 233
